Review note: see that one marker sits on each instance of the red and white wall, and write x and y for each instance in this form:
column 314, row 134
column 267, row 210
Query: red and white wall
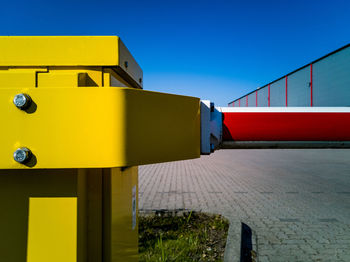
column 286, row 124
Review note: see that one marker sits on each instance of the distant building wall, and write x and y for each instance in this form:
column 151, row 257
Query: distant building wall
column 324, row 82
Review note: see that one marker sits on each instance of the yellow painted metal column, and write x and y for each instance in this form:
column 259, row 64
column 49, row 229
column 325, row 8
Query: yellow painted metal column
column 75, row 126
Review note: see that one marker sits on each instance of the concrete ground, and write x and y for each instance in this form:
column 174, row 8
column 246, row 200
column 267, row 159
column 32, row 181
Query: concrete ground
column 296, row 201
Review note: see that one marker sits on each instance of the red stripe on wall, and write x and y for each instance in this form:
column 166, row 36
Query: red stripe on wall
column 256, row 98
column 246, row 101
column 279, row 126
column 239, row 102
column 286, row 90
column 311, row 85
column 268, row 98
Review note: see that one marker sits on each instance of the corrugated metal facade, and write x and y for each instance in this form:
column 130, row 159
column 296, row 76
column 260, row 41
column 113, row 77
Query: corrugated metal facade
column 278, row 93
column 331, row 80
column 324, row 82
column 251, row 99
column 263, row 97
column 299, row 88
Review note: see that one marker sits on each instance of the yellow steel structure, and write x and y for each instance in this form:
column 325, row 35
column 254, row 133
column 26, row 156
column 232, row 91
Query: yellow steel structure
column 88, row 126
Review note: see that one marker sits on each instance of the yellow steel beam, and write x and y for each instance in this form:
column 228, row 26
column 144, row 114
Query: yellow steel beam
column 120, row 220
column 94, row 127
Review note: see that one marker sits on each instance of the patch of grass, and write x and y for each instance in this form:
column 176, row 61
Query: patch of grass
column 189, row 237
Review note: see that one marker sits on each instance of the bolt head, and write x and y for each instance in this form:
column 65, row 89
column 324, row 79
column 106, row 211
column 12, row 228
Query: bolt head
column 22, row 101
column 21, row 155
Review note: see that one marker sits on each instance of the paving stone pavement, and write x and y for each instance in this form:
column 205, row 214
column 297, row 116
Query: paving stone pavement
column 296, row 201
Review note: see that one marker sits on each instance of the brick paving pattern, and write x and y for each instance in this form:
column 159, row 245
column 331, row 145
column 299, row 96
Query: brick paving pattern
column 297, row 201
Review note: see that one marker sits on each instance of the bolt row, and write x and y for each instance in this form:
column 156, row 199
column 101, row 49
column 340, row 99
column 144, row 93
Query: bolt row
column 22, row 155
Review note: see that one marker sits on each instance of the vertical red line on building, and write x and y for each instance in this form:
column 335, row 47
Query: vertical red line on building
column 246, row 101
column 286, row 90
column 310, row 84
column 239, row 102
column 268, row 98
column 256, row 98
column 233, row 104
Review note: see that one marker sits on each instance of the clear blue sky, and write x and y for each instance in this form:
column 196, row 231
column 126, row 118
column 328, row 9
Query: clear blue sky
column 217, row 50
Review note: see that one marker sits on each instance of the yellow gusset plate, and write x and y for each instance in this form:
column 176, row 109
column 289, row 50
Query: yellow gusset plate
column 92, row 127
